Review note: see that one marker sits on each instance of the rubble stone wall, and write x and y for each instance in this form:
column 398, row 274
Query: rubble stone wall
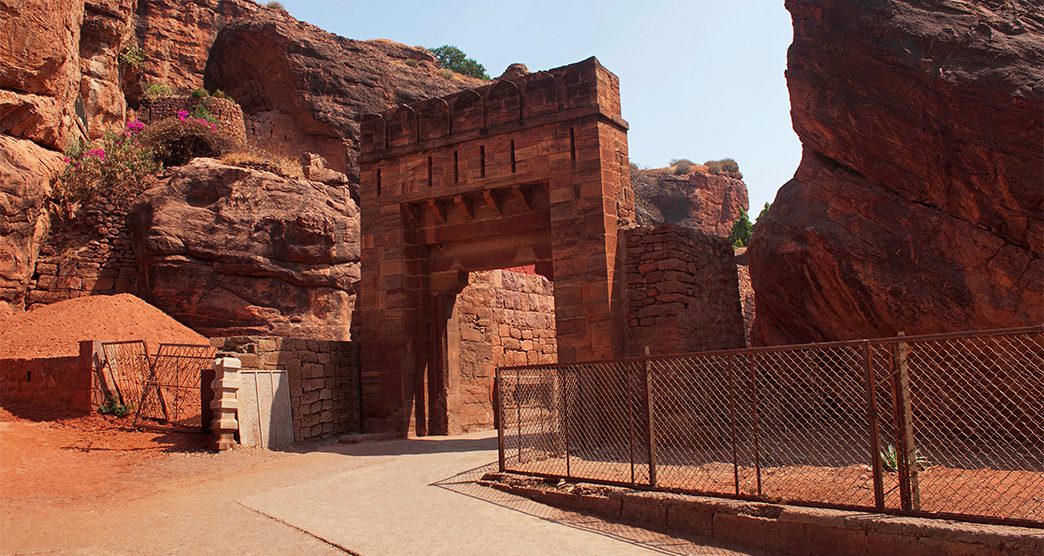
column 502, row 318
column 683, row 293
column 92, row 255
column 228, row 114
column 323, row 377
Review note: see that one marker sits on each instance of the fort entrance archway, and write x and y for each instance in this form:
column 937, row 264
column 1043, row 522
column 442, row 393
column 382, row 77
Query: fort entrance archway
column 530, row 171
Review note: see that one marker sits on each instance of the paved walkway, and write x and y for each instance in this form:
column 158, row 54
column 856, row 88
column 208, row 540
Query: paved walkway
column 418, row 501
column 413, row 496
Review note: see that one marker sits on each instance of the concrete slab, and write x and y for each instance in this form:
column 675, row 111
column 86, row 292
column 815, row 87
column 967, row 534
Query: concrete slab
column 393, row 507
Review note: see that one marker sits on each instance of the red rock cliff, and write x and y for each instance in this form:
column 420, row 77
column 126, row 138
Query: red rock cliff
column 918, row 202
column 699, row 200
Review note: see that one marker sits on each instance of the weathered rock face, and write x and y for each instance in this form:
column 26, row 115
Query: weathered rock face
column 176, row 37
column 230, row 251
column 918, row 203
column 305, row 89
column 39, row 82
column 706, row 202
column 39, row 69
column 107, row 28
column 25, row 182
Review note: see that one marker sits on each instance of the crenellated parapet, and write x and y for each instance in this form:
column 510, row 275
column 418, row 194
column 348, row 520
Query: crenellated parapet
column 567, row 92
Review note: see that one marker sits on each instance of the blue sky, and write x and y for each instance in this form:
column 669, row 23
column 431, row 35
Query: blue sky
column 700, row 79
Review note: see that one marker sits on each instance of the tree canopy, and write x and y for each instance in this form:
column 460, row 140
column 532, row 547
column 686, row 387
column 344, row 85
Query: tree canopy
column 741, row 230
column 453, row 58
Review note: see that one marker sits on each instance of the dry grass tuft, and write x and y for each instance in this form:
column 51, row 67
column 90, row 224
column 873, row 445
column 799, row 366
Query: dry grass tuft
column 261, row 160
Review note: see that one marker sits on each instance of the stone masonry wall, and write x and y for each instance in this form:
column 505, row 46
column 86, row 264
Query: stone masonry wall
column 683, row 294
column 323, row 377
column 228, row 114
column 502, row 318
column 91, row 255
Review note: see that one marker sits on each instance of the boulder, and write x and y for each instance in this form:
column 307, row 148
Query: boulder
column 25, row 184
column 236, row 251
column 699, row 200
column 303, row 89
column 176, row 37
column 918, row 205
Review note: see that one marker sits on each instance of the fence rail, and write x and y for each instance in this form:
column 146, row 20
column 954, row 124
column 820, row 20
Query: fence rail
column 947, row 425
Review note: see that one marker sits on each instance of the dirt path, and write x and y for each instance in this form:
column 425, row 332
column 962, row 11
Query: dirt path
column 78, row 486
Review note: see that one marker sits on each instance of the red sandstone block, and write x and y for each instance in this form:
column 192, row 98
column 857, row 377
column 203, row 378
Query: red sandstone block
column 690, row 520
column 650, row 512
column 837, row 541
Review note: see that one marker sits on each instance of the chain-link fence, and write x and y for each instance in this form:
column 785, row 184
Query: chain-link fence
column 945, row 425
column 162, row 388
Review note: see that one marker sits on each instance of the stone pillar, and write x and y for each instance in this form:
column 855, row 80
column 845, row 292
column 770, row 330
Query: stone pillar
column 225, row 404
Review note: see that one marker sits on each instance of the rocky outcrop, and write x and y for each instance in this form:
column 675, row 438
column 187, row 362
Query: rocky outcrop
column 699, row 200
column 39, row 82
column 25, row 182
column 106, row 32
column 176, row 37
column 918, row 202
column 39, row 70
column 231, row 251
column 304, row 89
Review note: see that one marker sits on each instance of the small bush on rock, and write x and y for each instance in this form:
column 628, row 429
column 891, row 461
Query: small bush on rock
column 153, row 91
column 177, row 141
column 681, row 166
column 200, row 93
column 723, row 165
column 455, row 59
column 133, row 55
column 276, row 6
column 116, row 166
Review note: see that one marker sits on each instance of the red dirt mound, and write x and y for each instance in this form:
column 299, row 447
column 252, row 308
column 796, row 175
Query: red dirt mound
column 56, row 330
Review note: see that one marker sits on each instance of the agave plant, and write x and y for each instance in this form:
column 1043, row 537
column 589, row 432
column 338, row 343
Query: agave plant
column 890, row 459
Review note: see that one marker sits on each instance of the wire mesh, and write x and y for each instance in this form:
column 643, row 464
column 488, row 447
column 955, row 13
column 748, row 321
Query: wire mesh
column 171, row 391
column 128, row 365
column 947, row 425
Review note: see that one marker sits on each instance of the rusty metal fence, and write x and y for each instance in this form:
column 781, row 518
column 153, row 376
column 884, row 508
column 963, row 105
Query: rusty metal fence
column 163, row 388
column 943, row 425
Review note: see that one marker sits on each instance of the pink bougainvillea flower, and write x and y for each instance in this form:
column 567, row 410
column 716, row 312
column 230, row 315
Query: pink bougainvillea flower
column 100, row 153
column 67, row 160
column 134, row 125
column 183, row 115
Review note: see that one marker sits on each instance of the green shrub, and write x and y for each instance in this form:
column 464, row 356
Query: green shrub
column 133, row 55
column 220, row 94
column 178, row 140
column 200, row 111
column 112, row 406
column 723, row 165
column 200, row 93
column 276, row 6
column 153, row 91
column 681, row 166
column 890, row 459
column 762, row 214
column 742, row 229
column 455, row 59
column 116, row 166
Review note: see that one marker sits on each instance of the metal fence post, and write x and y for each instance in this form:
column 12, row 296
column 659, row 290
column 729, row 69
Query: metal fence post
column 875, row 427
column 908, row 455
column 757, row 419
column 630, row 418
column 499, row 392
column 651, row 418
column 732, row 428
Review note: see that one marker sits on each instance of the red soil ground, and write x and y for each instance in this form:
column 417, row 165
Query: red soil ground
column 56, row 330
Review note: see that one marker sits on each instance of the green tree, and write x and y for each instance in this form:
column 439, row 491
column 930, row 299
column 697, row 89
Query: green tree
column 741, row 230
column 453, row 58
column 762, row 214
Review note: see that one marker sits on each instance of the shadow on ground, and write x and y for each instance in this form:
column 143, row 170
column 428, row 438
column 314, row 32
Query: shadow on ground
column 465, row 483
